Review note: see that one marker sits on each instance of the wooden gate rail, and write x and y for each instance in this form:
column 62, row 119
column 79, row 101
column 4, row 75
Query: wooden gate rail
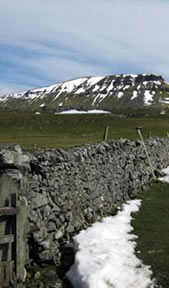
column 7, row 211
column 12, row 232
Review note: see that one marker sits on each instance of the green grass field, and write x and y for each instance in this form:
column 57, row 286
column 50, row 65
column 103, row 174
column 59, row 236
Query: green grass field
column 47, row 130
column 151, row 225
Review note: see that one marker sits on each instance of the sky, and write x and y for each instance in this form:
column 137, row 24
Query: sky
column 46, row 42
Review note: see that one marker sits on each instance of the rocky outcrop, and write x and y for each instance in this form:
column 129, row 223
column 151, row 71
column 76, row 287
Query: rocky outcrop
column 70, row 189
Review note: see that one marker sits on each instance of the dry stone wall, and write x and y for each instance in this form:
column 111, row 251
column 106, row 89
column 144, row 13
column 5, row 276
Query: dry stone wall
column 70, row 189
column 67, row 190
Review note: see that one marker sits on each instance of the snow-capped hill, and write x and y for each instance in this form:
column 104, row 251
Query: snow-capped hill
column 86, row 93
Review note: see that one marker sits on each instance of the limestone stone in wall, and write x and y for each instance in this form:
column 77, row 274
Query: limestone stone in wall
column 70, row 189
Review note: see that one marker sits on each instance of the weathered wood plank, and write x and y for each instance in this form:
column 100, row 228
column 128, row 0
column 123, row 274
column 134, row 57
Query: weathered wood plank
column 4, row 284
column 7, row 239
column 6, row 211
column 0, row 273
column 6, row 271
column 13, row 216
column 8, row 191
column 21, row 220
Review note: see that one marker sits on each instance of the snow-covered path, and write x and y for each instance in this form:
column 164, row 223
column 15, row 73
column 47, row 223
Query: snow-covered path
column 105, row 254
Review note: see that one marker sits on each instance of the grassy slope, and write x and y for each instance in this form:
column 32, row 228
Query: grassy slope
column 151, row 225
column 47, row 130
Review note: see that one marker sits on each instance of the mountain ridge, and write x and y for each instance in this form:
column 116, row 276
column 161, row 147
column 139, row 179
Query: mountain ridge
column 110, row 92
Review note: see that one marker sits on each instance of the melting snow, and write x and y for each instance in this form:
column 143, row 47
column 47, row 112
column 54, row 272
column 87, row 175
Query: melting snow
column 166, row 177
column 148, row 97
column 96, row 97
column 3, row 98
column 120, row 94
column 120, row 87
column 47, row 89
column 80, row 90
column 70, row 85
column 42, row 105
column 75, row 83
column 163, row 113
column 157, row 82
column 134, row 95
column 105, row 254
column 97, row 87
column 94, row 80
column 73, row 111
column 102, row 97
column 17, row 95
column 145, row 82
column 103, row 87
column 111, row 86
column 165, row 100
column 126, row 87
column 131, row 75
column 32, row 96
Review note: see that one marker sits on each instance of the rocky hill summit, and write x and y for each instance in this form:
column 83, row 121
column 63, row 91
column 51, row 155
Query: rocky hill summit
column 86, row 93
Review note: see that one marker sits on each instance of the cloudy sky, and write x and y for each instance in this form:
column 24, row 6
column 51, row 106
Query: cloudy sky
column 46, row 41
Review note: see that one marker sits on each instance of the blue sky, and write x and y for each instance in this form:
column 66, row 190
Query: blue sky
column 45, row 42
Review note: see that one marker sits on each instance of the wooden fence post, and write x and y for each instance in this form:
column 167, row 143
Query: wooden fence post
column 106, row 131
column 146, row 151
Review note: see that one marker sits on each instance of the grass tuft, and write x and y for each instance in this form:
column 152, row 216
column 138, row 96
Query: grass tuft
column 151, row 225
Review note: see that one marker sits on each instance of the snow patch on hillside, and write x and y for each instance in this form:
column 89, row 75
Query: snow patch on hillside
column 130, row 75
column 111, row 86
column 93, row 80
column 16, row 95
column 44, row 90
column 148, row 97
column 135, row 94
column 80, row 90
column 120, row 94
column 69, row 86
column 97, row 87
column 164, row 100
column 105, row 254
column 4, row 98
column 74, row 111
column 42, row 105
column 126, row 87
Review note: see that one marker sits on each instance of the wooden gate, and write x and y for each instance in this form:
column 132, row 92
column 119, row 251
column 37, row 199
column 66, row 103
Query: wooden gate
column 12, row 242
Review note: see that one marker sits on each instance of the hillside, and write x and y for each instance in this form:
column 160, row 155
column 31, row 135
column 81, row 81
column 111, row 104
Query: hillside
column 107, row 93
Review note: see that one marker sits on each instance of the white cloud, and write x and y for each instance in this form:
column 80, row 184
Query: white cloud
column 75, row 37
